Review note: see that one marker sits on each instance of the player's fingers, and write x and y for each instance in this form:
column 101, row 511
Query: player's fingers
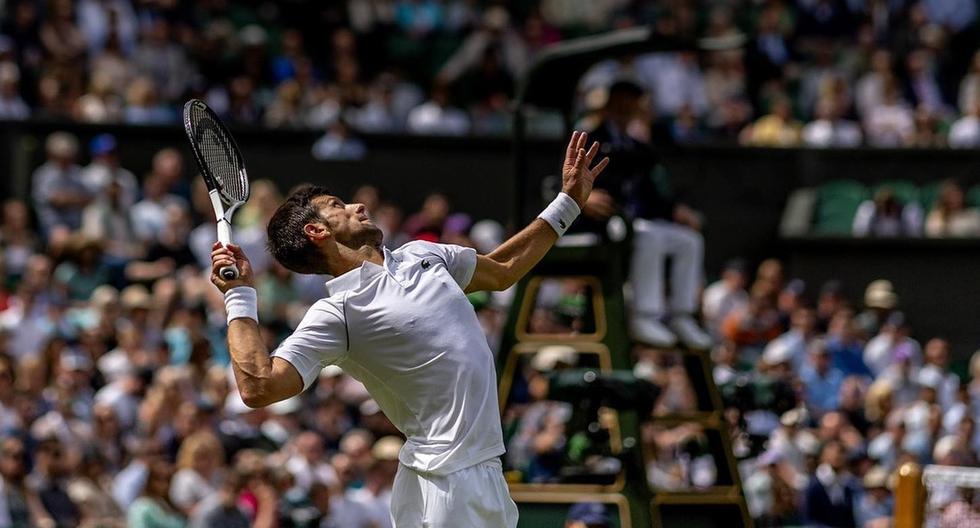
column 579, row 158
column 593, row 150
column 582, row 138
column 572, row 142
column 236, row 251
column 599, row 167
column 216, row 245
column 220, row 253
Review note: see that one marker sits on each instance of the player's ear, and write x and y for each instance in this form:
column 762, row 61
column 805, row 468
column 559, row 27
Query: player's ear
column 316, row 231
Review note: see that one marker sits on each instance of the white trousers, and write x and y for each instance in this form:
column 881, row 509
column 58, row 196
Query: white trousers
column 475, row 497
column 653, row 242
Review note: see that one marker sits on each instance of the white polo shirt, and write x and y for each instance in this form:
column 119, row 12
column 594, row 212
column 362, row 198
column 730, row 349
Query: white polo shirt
column 407, row 332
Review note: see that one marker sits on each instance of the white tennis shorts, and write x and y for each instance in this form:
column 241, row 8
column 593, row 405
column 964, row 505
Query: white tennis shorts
column 475, row 497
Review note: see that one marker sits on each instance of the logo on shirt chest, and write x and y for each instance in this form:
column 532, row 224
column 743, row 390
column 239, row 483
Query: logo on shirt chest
column 425, row 264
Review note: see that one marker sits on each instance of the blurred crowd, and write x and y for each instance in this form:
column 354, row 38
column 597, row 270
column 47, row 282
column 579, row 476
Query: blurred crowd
column 821, row 73
column 117, row 404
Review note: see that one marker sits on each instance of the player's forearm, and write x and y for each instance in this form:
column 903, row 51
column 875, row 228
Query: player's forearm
column 251, row 362
column 523, row 251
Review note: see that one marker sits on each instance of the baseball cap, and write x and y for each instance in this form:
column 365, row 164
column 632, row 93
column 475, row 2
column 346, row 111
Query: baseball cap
column 776, row 352
column 590, row 513
column 387, row 448
column 102, row 144
column 880, row 294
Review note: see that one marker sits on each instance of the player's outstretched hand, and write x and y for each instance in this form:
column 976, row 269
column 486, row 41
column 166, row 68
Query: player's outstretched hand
column 576, row 175
column 230, row 255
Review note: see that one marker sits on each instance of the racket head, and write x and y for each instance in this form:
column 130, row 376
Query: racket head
column 217, row 155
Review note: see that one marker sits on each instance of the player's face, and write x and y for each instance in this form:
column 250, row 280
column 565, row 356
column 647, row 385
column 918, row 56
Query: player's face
column 349, row 224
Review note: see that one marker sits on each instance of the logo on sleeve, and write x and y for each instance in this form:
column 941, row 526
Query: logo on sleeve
column 425, row 264
column 561, row 223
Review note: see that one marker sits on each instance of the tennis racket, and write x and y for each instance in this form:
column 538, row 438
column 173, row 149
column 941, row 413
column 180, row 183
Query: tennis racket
column 222, row 168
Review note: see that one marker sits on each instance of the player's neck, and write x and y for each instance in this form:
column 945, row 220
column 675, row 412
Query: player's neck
column 346, row 259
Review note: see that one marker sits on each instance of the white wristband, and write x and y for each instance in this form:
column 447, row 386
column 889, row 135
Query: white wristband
column 560, row 213
column 242, row 301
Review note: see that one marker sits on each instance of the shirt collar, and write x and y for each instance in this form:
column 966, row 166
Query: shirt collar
column 352, row 279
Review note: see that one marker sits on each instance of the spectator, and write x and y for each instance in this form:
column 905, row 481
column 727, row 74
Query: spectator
column 286, row 110
column 892, row 342
column 951, row 217
column 829, row 129
column 891, row 122
column 153, row 509
column 831, row 494
column 49, row 482
column 338, row 144
column 59, row 193
column 221, row 507
column 822, row 380
column 162, row 60
column 885, row 217
column 143, row 106
column 100, row 104
column 587, row 515
column 876, row 502
column 965, row 131
column 880, row 300
column 437, row 116
column 199, row 460
column 105, row 170
column 496, row 35
column 777, row 129
column 20, row 505
column 12, row 106
column 102, row 20
column 725, row 296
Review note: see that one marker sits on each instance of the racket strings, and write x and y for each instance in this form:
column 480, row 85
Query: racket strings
column 220, row 156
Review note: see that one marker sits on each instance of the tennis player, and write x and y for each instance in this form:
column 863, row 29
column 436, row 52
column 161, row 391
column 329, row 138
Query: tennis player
column 399, row 322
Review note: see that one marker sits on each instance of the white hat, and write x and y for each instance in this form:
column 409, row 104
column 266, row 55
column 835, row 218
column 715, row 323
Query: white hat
column 880, row 294
column 547, row 357
column 776, row 352
column 287, row 406
column 331, row 371
column 929, row 376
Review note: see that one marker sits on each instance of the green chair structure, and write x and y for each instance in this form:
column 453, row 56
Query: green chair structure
column 837, row 202
column 903, row 190
column 606, row 350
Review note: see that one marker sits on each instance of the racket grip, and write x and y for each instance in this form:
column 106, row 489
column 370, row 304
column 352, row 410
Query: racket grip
column 227, row 273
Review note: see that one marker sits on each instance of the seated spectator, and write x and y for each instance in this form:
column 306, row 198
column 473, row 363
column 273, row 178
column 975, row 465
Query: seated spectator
column 724, row 296
column 951, row 217
column 162, row 61
column 49, row 481
column 756, row 324
column 936, row 370
column 891, row 123
column 822, row 380
column 845, row 345
column 286, row 110
column 437, row 116
column 830, row 129
column 60, row 195
column 965, row 131
column 880, row 300
column 870, row 88
column 100, row 104
column 338, row 144
column 221, row 508
column 876, row 502
column 153, row 509
column 969, row 92
column 587, row 515
column 892, row 342
column 885, row 217
column 12, row 105
column 21, row 505
column 84, row 270
column 105, row 169
column 143, row 106
column 199, row 460
column 776, row 129
column 832, row 493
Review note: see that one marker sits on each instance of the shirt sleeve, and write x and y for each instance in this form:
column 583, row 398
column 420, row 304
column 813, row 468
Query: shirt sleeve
column 318, row 341
column 460, row 261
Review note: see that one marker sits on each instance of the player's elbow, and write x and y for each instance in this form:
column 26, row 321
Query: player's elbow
column 255, row 397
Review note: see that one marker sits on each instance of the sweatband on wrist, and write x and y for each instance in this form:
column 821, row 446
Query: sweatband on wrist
column 242, row 301
column 560, row 213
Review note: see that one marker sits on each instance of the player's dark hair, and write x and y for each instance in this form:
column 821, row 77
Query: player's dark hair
column 287, row 242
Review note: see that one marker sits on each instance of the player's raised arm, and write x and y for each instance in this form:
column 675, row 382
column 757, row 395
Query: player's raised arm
column 261, row 379
column 505, row 265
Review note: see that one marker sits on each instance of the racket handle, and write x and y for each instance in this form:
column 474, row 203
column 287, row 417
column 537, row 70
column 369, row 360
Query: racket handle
column 227, row 273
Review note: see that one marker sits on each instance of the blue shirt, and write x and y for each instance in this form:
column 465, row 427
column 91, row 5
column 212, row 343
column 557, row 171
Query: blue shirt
column 822, row 392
